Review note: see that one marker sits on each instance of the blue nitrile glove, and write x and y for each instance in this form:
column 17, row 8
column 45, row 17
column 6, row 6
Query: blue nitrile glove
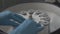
column 27, row 27
column 6, row 15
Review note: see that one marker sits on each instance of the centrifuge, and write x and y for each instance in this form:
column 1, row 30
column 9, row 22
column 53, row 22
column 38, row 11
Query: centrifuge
column 43, row 13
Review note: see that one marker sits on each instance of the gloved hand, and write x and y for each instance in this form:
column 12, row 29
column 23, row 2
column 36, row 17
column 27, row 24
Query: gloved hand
column 7, row 16
column 28, row 27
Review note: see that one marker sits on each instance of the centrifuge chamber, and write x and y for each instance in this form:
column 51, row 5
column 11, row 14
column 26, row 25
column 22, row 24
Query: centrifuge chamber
column 52, row 10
